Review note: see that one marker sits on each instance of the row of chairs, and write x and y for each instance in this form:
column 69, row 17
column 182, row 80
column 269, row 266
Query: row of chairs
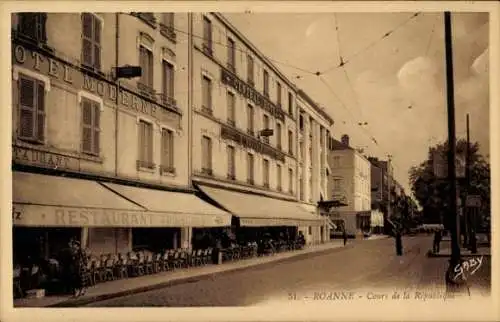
column 111, row 267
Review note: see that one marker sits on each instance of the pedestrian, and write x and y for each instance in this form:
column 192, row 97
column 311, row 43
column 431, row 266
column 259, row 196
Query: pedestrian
column 81, row 275
column 344, row 236
column 399, row 243
column 437, row 241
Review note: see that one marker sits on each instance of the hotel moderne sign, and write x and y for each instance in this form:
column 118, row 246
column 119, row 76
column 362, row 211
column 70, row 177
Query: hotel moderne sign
column 107, row 90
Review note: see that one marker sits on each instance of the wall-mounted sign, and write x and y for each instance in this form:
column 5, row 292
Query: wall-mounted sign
column 28, row 156
column 106, row 89
column 250, row 142
column 249, row 92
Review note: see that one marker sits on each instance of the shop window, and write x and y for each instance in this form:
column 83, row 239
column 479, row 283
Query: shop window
column 145, row 145
column 206, row 155
column 91, row 131
column 167, row 151
column 91, row 41
column 33, row 26
column 31, row 109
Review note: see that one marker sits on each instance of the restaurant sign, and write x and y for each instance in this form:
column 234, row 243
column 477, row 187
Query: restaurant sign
column 250, row 142
column 53, row 216
column 262, row 222
column 27, row 156
column 249, row 92
column 107, row 90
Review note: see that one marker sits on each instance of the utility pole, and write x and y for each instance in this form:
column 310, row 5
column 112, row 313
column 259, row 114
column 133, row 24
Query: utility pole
column 452, row 176
column 389, row 178
column 469, row 212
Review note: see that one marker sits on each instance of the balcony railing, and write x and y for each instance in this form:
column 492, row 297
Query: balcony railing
column 168, row 32
column 168, row 101
column 207, row 110
column 146, row 90
column 231, row 122
column 207, row 171
column 231, row 67
column 142, row 164
column 250, row 132
column 207, row 49
column 167, row 169
column 251, row 82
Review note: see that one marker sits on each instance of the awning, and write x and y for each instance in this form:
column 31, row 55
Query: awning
column 256, row 211
column 43, row 200
column 174, row 209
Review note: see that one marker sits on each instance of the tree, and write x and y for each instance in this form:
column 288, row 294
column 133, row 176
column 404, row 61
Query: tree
column 433, row 193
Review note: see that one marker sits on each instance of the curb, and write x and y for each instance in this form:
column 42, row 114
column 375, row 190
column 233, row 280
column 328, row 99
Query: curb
column 431, row 254
column 190, row 279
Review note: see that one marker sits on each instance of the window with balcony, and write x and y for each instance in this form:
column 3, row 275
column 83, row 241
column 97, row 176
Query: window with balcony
column 145, row 83
column 145, row 145
column 91, row 117
column 278, row 178
column 91, row 41
column 278, row 94
column 231, row 55
column 167, row 26
column 278, row 136
column 290, row 142
column 266, row 83
column 168, row 85
column 250, row 119
column 250, row 168
column 207, row 36
column 290, row 104
column 167, row 151
column 250, row 71
column 32, row 25
column 31, row 109
column 265, row 123
column 206, row 155
column 290, row 180
column 206, row 90
column 231, row 108
column 265, row 172
column 231, row 172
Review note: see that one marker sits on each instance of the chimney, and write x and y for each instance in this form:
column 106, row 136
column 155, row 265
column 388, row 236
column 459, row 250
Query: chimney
column 345, row 139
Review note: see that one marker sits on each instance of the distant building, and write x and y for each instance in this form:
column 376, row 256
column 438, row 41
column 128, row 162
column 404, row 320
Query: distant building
column 349, row 181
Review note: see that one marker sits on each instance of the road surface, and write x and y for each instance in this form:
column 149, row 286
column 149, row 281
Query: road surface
column 369, row 264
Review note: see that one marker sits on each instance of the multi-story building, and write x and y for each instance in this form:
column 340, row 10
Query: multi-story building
column 96, row 157
column 244, row 133
column 349, row 181
column 379, row 189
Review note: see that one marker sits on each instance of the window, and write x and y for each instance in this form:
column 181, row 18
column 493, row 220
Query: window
column 301, row 123
column 337, row 184
column 32, row 25
column 290, row 142
column 250, row 168
column 265, row 172
column 168, row 84
column 301, row 189
column 91, row 114
column 278, row 93
column 206, row 155
column 231, row 54
column 336, row 161
column 250, row 70
column 31, row 109
column 290, row 180
column 207, row 36
column 231, row 108
column 278, row 135
column 91, row 37
column 231, row 163
column 309, row 230
column 278, row 177
column 290, row 103
column 250, row 119
column 145, row 145
column 302, row 151
column 167, row 151
column 167, row 28
column 206, row 89
column 265, row 124
column 147, row 17
column 310, row 189
column 266, row 83
column 146, row 63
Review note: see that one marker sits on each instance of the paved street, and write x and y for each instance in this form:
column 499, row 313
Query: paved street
column 362, row 265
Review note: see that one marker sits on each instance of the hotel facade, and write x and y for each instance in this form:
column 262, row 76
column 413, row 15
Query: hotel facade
column 207, row 137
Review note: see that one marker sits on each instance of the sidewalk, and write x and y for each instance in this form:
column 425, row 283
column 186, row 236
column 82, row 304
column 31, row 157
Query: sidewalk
column 134, row 285
column 446, row 252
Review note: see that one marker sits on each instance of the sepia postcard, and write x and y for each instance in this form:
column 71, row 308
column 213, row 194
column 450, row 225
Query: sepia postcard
column 249, row 161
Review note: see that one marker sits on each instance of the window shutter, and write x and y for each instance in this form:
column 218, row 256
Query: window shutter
column 96, row 128
column 27, row 108
column 87, row 125
column 40, row 126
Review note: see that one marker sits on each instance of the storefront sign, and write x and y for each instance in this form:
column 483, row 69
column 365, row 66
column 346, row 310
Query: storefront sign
column 249, row 92
column 107, row 90
column 45, row 159
column 250, row 142
column 263, row 222
column 38, row 215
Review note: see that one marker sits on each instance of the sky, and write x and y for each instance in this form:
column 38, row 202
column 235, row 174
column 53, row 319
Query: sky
column 395, row 84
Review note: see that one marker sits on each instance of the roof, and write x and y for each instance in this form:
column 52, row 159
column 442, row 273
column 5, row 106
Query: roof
column 337, row 145
column 315, row 105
